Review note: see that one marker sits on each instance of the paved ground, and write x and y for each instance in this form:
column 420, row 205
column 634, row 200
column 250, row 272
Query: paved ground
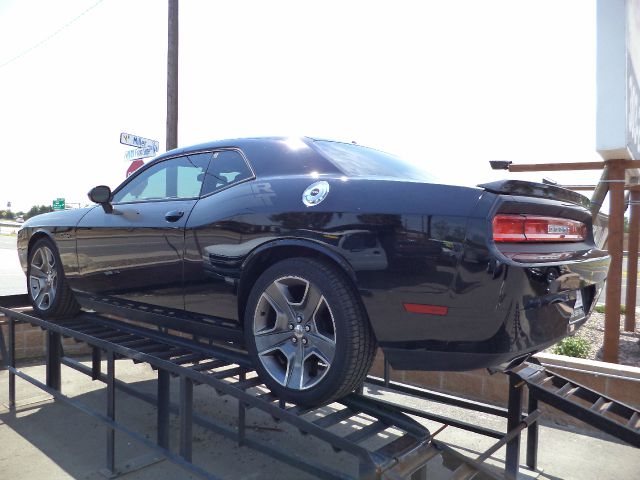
column 12, row 280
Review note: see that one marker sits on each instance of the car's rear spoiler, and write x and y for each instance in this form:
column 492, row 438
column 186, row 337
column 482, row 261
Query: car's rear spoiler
column 533, row 189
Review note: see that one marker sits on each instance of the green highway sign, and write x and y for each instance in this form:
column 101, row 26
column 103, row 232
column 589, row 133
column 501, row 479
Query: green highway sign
column 58, row 204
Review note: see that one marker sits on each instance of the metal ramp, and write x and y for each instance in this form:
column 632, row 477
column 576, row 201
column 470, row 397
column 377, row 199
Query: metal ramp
column 593, row 408
column 390, row 444
column 602, row 412
column 402, row 444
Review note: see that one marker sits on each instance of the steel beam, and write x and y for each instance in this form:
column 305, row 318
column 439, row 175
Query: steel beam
column 111, row 412
column 532, row 435
column 164, row 391
column 54, row 354
column 96, row 363
column 514, row 418
column 186, row 418
column 11, row 362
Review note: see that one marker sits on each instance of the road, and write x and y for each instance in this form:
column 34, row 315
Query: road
column 12, row 279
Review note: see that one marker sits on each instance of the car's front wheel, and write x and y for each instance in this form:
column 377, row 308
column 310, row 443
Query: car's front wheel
column 307, row 332
column 49, row 293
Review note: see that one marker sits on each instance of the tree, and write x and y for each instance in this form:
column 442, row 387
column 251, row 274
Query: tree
column 37, row 210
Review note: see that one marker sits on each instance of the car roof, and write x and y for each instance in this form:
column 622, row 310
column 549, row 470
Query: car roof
column 269, row 156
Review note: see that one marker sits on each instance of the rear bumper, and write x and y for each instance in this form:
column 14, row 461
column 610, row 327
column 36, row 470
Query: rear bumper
column 508, row 312
column 470, row 356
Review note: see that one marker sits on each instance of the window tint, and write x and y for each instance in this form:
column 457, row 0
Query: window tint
column 227, row 166
column 176, row 178
column 356, row 160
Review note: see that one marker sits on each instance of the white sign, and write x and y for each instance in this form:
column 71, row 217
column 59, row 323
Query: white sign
column 137, row 141
column 136, row 153
column 618, row 71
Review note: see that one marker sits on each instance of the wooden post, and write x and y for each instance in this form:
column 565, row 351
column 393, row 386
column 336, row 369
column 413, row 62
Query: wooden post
column 614, row 279
column 172, row 77
column 632, row 261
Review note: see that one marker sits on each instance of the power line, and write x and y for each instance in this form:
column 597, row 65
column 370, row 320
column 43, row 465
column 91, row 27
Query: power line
column 45, row 40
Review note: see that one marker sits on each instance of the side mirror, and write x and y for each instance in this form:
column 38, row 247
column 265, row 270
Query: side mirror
column 102, row 195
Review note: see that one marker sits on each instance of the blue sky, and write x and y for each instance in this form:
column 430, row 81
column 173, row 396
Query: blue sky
column 449, row 85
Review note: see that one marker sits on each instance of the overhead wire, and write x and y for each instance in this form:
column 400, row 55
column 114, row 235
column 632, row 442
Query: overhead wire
column 52, row 35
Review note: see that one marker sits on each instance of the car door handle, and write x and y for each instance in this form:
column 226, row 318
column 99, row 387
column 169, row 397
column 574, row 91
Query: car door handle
column 173, row 216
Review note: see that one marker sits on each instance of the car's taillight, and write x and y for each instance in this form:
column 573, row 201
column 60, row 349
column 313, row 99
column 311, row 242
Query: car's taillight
column 533, row 228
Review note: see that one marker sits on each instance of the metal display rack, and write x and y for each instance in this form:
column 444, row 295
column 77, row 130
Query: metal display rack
column 402, row 452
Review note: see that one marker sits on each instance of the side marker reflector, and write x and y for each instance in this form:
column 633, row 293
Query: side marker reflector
column 428, row 309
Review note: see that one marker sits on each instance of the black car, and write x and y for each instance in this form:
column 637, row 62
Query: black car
column 310, row 253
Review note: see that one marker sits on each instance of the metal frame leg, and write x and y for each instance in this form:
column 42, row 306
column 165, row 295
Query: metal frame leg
column 96, row 366
column 54, row 365
column 11, row 361
column 367, row 470
column 386, row 373
column 420, row 474
column 242, row 414
column 164, row 391
column 514, row 417
column 186, row 418
column 111, row 411
column 532, row 435
column 3, row 349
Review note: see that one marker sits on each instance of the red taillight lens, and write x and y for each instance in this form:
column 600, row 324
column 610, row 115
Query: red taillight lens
column 532, row 228
column 509, row 228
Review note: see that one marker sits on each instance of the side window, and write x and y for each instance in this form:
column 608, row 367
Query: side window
column 227, row 166
column 172, row 179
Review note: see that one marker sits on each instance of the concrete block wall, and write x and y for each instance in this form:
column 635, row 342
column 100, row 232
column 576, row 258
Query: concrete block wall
column 619, row 382
column 476, row 384
column 31, row 342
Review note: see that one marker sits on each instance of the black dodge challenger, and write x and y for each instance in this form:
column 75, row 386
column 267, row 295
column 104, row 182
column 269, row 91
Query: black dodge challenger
column 310, row 253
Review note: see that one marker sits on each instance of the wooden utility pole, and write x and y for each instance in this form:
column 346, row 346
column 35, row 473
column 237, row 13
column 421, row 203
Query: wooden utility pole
column 172, row 77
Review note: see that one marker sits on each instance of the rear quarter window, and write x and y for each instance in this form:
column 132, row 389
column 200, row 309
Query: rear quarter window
column 356, row 160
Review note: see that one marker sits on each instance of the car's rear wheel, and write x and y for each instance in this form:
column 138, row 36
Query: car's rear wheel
column 49, row 293
column 307, row 332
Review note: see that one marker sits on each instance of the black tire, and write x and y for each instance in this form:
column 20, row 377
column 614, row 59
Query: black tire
column 322, row 311
column 47, row 286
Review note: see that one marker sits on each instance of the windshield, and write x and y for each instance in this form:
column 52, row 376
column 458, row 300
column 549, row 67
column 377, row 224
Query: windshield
column 354, row 160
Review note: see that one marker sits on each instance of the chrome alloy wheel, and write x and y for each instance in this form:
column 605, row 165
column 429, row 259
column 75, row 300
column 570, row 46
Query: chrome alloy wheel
column 294, row 333
column 43, row 278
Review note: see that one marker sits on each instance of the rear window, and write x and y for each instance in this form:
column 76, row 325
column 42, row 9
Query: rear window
column 354, row 160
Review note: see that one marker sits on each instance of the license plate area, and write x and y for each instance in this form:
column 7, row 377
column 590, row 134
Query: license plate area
column 578, row 308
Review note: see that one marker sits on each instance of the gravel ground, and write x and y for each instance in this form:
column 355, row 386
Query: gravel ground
column 593, row 332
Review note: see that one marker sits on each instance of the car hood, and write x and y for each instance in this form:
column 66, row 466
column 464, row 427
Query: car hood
column 61, row 218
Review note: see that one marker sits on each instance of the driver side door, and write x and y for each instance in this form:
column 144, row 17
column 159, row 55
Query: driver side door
column 136, row 252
